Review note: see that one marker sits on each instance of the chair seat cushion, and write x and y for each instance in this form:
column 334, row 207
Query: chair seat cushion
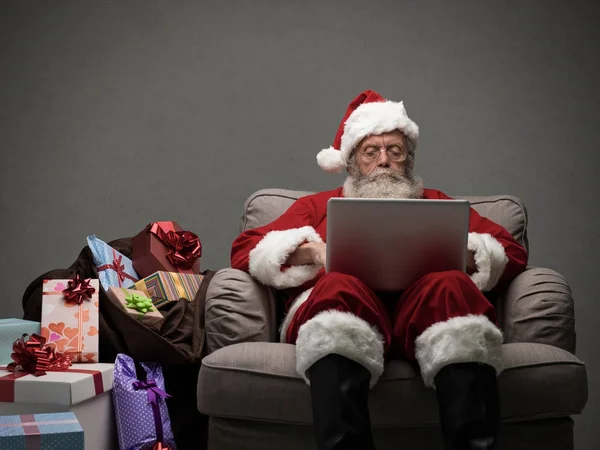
column 258, row 381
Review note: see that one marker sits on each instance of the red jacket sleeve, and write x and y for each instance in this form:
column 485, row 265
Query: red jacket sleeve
column 262, row 251
column 498, row 256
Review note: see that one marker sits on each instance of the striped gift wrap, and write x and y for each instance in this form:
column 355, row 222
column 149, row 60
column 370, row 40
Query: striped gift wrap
column 164, row 287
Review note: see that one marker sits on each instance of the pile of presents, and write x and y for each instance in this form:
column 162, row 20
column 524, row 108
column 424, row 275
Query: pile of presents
column 54, row 392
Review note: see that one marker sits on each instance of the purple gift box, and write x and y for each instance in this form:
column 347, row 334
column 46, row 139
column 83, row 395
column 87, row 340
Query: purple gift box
column 140, row 408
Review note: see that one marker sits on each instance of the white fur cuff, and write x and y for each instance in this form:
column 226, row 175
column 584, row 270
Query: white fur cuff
column 490, row 259
column 266, row 259
column 341, row 333
column 471, row 338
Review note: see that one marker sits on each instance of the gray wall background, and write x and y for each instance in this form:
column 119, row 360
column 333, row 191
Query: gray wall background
column 116, row 114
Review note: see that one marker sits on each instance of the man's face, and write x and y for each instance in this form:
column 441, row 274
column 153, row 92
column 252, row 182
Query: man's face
column 375, row 173
column 396, row 144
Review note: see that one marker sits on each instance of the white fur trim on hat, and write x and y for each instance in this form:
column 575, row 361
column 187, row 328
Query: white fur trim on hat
column 471, row 338
column 342, row 333
column 376, row 118
column 266, row 259
column 490, row 260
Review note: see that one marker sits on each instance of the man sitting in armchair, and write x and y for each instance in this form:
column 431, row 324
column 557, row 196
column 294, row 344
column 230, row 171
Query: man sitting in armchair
column 343, row 331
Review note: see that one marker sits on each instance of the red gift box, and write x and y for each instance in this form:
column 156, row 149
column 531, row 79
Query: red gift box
column 166, row 247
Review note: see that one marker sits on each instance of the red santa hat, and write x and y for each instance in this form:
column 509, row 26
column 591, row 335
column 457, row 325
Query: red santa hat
column 368, row 114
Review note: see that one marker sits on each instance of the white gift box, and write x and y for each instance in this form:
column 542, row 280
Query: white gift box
column 84, row 389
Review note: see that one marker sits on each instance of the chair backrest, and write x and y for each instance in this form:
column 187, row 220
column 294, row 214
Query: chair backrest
column 266, row 205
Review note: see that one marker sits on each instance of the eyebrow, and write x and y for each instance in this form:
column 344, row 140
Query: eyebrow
column 399, row 144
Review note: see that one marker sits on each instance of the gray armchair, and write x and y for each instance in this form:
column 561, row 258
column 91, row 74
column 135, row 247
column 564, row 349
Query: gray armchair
column 249, row 388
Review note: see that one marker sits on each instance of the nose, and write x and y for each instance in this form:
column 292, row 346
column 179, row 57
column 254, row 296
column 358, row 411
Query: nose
column 383, row 160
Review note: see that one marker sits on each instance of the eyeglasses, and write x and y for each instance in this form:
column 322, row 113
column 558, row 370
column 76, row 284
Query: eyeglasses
column 372, row 153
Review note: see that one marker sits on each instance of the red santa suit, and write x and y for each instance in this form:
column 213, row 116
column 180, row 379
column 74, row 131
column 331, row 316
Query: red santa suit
column 442, row 318
column 414, row 324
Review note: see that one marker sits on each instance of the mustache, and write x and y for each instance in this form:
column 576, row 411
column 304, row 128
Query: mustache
column 385, row 172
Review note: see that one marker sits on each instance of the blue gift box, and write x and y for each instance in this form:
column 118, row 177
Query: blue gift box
column 114, row 268
column 41, row 431
column 10, row 331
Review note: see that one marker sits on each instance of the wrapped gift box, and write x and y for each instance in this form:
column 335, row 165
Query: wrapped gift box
column 70, row 327
column 166, row 247
column 10, row 331
column 84, row 390
column 114, row 268
column 145, row 394
column 163, row 287
column 41, row 431
column 124, row 296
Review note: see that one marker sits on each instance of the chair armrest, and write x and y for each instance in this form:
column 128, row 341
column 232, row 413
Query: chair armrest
column 238, row 309
column 538, row 307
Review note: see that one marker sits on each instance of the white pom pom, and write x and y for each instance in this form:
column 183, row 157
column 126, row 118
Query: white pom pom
column 330, row 160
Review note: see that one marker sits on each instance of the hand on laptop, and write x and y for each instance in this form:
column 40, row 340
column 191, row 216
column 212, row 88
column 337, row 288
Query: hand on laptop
column 319, row 253
column 308, row 253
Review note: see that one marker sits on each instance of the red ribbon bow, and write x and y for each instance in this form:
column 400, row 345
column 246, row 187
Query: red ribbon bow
column 118, row 268
column 35, row 357
column 184, row 246
column 78, row 290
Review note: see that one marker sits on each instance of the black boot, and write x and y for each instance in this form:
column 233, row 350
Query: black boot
column 469, row 406
column 339, row 389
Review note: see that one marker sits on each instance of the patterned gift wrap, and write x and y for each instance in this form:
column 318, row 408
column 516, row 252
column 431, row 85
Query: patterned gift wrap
column 10, row 331
column 114, row 268
column 163, row 287
column 72, row 328
column 56, row 431
column 140, row 408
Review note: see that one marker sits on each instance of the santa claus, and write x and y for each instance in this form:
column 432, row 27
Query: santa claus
column 344, row 331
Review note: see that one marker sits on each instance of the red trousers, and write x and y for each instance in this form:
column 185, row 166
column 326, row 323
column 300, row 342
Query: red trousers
column 399, row 318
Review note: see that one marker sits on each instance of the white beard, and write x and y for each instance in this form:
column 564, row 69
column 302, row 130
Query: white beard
column 383, row 182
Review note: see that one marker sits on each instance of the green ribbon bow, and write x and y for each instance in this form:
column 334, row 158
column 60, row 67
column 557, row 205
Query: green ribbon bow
column 138, row 302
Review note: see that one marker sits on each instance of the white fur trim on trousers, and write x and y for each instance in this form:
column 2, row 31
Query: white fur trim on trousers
column 472, row 338
column 490, row 259
column 266, row 259
column 290, row 315
column 342, row 333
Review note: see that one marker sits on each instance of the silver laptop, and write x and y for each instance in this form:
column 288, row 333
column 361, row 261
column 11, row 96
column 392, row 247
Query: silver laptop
column 391, row 243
